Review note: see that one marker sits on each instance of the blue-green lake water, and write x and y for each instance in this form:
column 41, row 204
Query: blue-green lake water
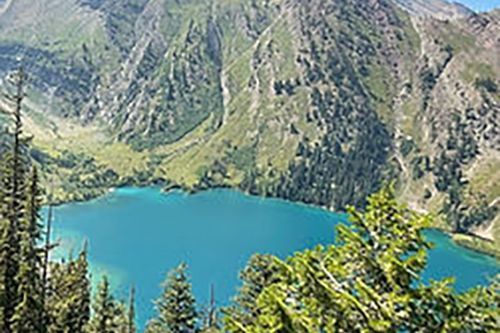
column 136, row 235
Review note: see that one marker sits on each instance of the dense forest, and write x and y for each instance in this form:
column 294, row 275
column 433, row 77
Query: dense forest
column 370, row 281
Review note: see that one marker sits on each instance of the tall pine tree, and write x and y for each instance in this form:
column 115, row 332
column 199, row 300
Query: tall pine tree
column 261, row 272
column 107, row 311
column 176, row 306
column 131, row 312
column 68, row 300
column 82, row 290
column 29, row 313
column 29, row 302
column 13, row 187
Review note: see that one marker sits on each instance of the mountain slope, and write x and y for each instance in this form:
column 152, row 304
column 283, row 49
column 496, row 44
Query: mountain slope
column 317, row 101
column 439, row 9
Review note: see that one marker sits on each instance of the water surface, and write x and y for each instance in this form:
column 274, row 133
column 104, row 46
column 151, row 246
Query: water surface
column 137, row 235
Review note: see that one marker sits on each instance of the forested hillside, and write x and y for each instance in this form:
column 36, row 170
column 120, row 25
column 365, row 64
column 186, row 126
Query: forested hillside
column 313, row 101
column 369, row 281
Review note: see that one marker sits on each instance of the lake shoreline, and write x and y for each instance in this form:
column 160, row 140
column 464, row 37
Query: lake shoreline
column 136, row 234
column 468, row 241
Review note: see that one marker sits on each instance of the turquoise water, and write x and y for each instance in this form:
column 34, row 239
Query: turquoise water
column 137, row 235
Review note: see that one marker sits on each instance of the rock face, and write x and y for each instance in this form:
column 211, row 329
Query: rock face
column 314, row 101
column 440, row 9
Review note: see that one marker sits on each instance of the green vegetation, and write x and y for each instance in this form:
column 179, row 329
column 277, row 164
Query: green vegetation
column 476, row 70
column 176, row 307
column 110, row 316
column 463, row 210
column 67, row 303
column 305, row 100
column 369, row 282
column 38, row 296
column 458, row 39
column 488, row 84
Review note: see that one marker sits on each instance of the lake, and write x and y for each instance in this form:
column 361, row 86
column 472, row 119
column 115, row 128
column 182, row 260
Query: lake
column 136, row 235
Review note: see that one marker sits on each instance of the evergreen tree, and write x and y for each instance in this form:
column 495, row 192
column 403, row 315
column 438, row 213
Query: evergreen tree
column 60, row 299
column 68, row 300
column 106, row 310
column 369, row 282
column 82, row 291
column 121, row 318
column 210, row 315
column 32, row 209
column 131, row 312
column 24, row 292
column 211, row 312
column 29, row 313
column 261, row 272
column 176, row 306
column 13, row 188
column 45, row 262
column 156, row 326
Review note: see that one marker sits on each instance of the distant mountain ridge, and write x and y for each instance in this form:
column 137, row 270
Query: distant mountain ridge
column 313, row 101
column 440, row 9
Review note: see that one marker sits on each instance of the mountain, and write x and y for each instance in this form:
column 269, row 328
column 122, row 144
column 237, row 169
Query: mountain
column 439, row 9
column 313, row 101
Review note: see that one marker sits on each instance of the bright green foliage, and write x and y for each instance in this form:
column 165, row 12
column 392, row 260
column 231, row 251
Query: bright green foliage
column 106, row 311
column 110, row 315
column 438, row 308
column 176, row 306
column 261, row 272
column 369, row 282
column 68, row 303
column 120, row 320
